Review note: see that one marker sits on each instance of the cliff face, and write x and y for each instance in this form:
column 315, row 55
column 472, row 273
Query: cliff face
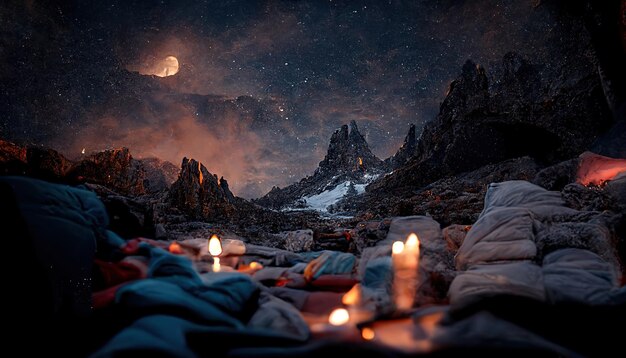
column 200, row 194
column 114, row 168
column 406, row 151
column 520, row 113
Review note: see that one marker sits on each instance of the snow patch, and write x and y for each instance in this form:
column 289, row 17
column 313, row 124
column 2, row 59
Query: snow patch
column 321, row 201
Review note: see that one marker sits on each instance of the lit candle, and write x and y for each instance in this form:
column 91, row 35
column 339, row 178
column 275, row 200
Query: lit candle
column 405, row 259
column 339, row 317
column 354, row 302
column 215, row 249
column 175, row 248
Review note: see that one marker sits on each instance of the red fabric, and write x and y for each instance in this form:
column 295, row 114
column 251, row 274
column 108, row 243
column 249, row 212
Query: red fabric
column 105, row 297
column 334, row 283
column 115, row 273
column 131, row 247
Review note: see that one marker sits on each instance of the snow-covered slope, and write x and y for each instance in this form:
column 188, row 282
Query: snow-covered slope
column 321, row 202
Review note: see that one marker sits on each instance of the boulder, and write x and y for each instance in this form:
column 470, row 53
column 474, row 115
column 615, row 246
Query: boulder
column 299, row 240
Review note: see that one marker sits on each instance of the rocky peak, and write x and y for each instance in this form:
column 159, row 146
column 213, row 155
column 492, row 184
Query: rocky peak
column 198, row 193
column 468, row 92
column 114, row 168
column 406, row 151
column 348, row 152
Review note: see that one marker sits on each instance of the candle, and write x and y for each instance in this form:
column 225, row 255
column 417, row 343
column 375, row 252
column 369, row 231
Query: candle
column 405, row 259
column 215, row 249
column 339, row 317
column 175, row 248
column 368, row 334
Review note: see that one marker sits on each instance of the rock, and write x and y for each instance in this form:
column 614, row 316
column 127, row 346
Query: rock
column 114, row 168
column 481, row 124
column 455, row 199
column 11, row 152
column 348, row 159
column 198, row 194
column 454, row 236
column 127, row 217
column 616, row 188
column 159, row 174
column 369, row 233
column 557, row 176
column 298, row 241
column 46, row 164
column 347, row 152
column 34, row 161
column 159, row 232
column 580, row 197
column 406, row 151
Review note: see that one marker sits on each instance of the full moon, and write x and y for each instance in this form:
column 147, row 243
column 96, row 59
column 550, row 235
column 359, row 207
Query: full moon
column 166, row 67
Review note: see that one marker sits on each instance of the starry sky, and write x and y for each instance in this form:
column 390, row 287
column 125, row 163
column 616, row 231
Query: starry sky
column 261, row 85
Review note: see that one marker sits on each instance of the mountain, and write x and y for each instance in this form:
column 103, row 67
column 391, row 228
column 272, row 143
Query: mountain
column 517, row 111
column 405, row 152
column 349, row 165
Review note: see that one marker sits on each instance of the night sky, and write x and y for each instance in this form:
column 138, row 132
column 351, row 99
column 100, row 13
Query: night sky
column 261, row 85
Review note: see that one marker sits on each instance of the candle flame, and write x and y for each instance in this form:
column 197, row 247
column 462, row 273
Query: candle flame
column 353, row 296
column 215, row 246
column 175, row 248
column 82, row 151
column 412, row 242
column 368, row 334
column 360, row 161
column 397, row 247
column 255, row 265
column 339, row 317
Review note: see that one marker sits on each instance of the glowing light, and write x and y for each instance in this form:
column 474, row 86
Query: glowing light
column 368, row 334
column 163, row 67
column 360, row 161
column 215, row 246
column 397, row 248
column 339, row 317
column 412, row 242
column 82, row 151
column 215, row 249
column 175, row 248
column 167, row 67
column 353, row 296
column 201, row 179
column 255, row 265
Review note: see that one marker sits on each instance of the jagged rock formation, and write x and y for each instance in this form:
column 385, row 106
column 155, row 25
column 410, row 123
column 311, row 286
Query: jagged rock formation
column 113, row 168
column 348, row 152
column 521, row 113
column 348, row 159
column 200, row 194
column 33, row 161
column 406, row 151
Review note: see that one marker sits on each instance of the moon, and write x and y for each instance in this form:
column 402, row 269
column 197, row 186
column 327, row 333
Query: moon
column 166, row 67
